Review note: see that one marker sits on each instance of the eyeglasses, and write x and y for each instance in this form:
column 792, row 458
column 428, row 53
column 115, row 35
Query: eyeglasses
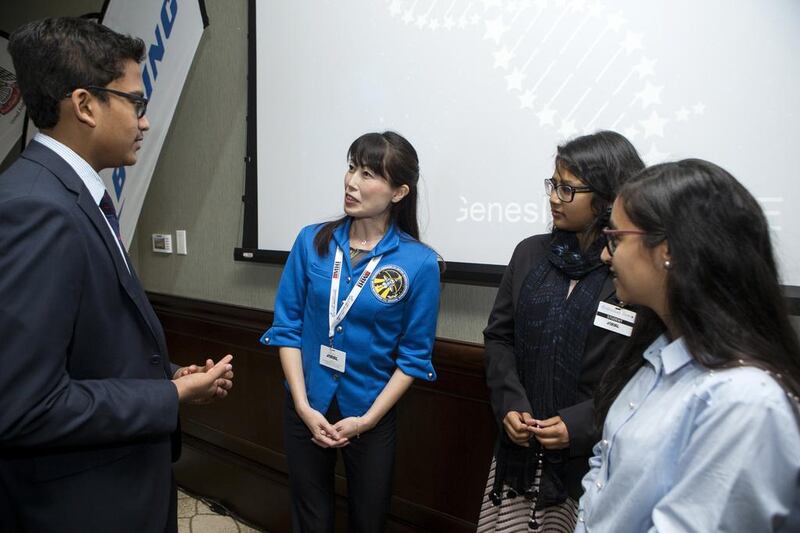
column 565, row 193
column 139, row 102
column 612, row 237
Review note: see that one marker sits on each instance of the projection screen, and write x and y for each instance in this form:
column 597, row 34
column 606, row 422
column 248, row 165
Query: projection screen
column 486, row 90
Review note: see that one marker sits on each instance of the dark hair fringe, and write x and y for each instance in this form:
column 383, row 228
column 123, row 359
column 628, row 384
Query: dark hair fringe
column 394, row 158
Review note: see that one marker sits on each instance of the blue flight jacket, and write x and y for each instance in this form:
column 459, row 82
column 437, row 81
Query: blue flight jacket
column 392, row 323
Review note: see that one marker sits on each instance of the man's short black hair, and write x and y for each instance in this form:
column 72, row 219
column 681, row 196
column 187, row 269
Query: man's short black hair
column 54, row 56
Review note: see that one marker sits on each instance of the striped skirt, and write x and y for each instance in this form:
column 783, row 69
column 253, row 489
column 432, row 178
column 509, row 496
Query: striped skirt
column 514, row 514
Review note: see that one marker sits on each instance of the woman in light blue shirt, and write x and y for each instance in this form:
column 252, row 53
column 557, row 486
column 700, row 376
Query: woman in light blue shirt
column 702, row 434
column 355, row 320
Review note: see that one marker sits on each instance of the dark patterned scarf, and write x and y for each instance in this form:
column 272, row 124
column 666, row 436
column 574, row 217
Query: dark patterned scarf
column 550, row 332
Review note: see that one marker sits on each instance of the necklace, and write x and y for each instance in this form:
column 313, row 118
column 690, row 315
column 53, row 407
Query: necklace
column 365, row 242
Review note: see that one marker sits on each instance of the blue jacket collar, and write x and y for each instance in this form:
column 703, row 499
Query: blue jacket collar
column 390, row 240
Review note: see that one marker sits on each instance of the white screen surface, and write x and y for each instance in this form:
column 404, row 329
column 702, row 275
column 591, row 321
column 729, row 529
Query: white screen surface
column 485, row 90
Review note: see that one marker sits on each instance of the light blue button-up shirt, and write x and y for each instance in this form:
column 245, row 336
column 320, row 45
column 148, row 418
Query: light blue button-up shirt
column 392, row 323
column 686, row 449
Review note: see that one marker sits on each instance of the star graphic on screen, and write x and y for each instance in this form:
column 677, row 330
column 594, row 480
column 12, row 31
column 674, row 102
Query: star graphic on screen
column 434, row 24
column 462, row 23
column 650, row 95
column 567, row 128
column 545, row 115
column 645, row 67
column 616, row 21
column 474, row 19
column 514, row 80
column 526, row 99
column 682, row 114
column 495, row 29
column 422, row 20
column 395, row 8
column 449, row 23
column 699, row 108
column 502, row 57
column 653, row 125
column 654, row 156
column 408, row 17
column 633, row 41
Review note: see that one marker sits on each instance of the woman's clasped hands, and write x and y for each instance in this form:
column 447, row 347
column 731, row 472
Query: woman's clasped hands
column 327, row 435
column 521, row 427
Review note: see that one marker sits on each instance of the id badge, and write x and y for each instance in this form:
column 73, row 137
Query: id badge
column 332, row 358
column 615, row 319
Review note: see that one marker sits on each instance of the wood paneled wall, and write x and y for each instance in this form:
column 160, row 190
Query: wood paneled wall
column 233, row 449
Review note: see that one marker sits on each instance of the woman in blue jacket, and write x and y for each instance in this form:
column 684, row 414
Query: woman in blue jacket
column 355, row 320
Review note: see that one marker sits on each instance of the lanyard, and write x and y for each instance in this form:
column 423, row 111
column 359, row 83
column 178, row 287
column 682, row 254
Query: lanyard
column 334, row 317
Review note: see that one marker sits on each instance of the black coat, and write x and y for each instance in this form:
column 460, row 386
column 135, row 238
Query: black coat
column 88, row 415
column 507, row 393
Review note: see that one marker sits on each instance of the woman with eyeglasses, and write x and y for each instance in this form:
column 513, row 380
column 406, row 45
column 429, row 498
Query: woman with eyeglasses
column 701, row 415
column 543, row 353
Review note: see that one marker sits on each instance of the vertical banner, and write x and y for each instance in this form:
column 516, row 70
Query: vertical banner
column 12, row 110
column 171, row 30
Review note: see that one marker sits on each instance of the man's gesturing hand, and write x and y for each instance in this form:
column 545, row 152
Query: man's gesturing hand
column 202, row 385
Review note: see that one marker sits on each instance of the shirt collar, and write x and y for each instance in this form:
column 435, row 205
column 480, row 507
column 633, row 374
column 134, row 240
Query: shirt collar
column 390, row 240
column 84, row 170
column 670, row 356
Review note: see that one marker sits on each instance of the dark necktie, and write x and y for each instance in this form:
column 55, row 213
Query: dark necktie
column 107, row 207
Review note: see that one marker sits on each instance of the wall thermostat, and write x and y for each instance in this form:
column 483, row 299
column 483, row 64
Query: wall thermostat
column 162, row 243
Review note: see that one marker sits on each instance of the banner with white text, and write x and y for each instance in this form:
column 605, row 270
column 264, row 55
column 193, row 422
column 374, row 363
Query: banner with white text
column 171, row 30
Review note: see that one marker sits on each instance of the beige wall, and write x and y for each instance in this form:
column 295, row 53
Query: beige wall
column 199, row 180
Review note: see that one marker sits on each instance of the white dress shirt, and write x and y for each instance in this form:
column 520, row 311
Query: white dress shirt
column 87, row 174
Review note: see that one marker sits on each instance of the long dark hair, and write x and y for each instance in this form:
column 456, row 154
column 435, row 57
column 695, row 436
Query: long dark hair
column 722, row 288
column 392, row 156
column 604, row 161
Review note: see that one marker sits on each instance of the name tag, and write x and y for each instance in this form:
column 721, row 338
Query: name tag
column 615, row 319
column 332, row 358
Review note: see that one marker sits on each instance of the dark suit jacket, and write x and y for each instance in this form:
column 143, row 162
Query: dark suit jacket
column 506, row 391
column 87, row 411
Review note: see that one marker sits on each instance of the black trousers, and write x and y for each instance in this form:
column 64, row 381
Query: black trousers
column 368, row 461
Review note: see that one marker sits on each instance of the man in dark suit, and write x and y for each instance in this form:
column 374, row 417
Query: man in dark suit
column 88, row 398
